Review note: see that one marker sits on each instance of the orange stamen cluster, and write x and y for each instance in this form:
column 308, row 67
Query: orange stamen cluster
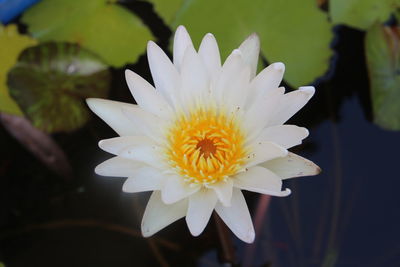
column 206, row 147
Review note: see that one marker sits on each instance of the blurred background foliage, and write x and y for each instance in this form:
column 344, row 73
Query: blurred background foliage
column 56, row 53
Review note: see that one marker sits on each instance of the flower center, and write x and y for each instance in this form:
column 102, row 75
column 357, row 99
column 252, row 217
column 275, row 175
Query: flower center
column 206, row 147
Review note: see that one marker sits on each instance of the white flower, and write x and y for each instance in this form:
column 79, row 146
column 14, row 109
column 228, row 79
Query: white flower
column 204, row 134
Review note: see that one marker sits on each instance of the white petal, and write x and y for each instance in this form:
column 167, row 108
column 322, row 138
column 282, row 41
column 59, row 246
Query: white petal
column 292, row 166
column 118, row 167
column 223, row 190
column 159, row 215
column 149, row 124
column 209, row 52
column 260, row 180
column 201, row 206
column 149, row 153
column 181, row 42
column 146, row 96
column 144, row 179
column 291, row 103
column 264, row 151
column 175, row 189
column 165, row 75
column 232, row 67
column 195, row 80
column 237, row 217
column 260, row 112
column 118, row 144
column 286, row 136
column 111, row 113
column 250, row 49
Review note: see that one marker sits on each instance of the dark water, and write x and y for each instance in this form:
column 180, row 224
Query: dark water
column 347, row 216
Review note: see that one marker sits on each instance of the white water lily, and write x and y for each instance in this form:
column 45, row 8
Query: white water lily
column 203, row 134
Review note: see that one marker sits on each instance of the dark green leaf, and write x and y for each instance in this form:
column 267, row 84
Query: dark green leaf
column 383, row 50
column 51, row 81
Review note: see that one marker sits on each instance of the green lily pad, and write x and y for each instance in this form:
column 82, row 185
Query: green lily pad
column 383, row 60
column 361, row 14
column 295, row 32
column 51, row 81
column 12, row 43
column 104, row 27
column 166, row 9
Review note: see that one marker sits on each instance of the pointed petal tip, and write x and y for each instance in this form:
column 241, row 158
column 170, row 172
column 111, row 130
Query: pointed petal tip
column 307, row 89
column 286, row 192
column 279, row 66
column 250, row 237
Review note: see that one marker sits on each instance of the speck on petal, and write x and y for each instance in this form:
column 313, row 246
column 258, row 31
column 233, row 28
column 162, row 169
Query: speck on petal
column 237, row 217
column 260, row 180
column 292, row 166
column 159, row 215
column 201, row 205
column 264, row 151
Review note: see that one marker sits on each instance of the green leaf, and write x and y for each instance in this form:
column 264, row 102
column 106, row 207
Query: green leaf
column 106, row 28
column 292, row 31
column 166, row 9
column 361, row 14
column 382, row 46
column 12, row 43
column 51, row 81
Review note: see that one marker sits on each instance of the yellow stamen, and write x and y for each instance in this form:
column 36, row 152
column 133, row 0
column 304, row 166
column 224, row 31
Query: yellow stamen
column 206, row 146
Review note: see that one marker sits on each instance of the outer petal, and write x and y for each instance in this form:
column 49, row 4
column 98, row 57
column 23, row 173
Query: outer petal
column 181, row 42
column 291, row 103
column 149, row 124
column 250, row 49
column 158, row 215
column 268, row 79
column 209, row 53
column 118, row 167
column 117, row 144
column 143, row 179
column 260, row 180
column 175, row 189
column 292, row 166
column 237, row 217
column 194, row 77
column 111, row 113
column 165, row 75
column 260, row 112
column 223, row 190
column 286, row 136
column 201, row 205
column 264, row 151
column 146, row 96
column 149, row 154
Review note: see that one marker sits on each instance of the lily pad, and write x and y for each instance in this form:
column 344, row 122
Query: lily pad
column 51, row 81
column 361, row 14
column 106, row 28
column 382, row 45
column 12, row 43
column 295, row 32
column 166, row 9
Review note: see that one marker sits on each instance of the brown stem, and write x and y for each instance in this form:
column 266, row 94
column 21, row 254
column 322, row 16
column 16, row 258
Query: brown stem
column 227, row 254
